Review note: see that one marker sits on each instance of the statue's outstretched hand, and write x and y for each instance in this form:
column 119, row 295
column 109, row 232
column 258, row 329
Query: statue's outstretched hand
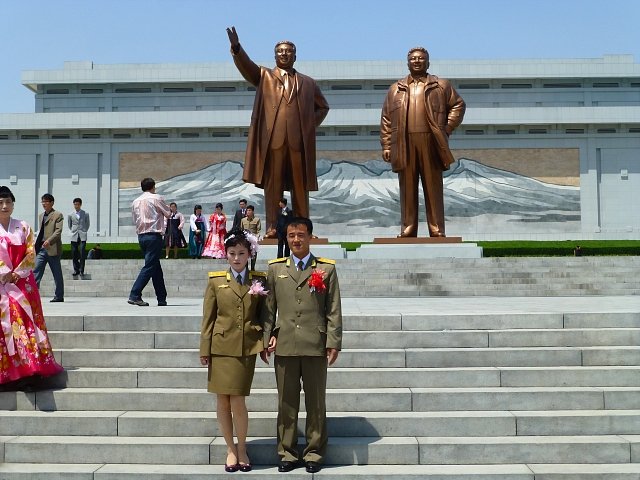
column 233, row 37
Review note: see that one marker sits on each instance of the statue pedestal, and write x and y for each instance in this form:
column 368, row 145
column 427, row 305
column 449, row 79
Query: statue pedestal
column 417, row 247
column 320, row 247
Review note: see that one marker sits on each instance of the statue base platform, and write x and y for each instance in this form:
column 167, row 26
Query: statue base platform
column 416, row 240
column 408, row 248
column 274, row 241
column 320, row 247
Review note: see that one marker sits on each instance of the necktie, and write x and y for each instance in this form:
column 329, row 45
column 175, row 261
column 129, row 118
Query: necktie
column 288, row 85
column 239, row 279
column 300, row 265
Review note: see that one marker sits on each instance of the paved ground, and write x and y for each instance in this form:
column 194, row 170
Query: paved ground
column 354, row 306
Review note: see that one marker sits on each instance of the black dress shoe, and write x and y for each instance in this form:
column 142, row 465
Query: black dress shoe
column 285, row 466
column 54, row 300
column 312, row 467
column 162, row 304
column 140, row 303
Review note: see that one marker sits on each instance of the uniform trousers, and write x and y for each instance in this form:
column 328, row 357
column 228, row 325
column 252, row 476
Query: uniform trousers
column 423, row 162
column 313, row 372
column 284, row 164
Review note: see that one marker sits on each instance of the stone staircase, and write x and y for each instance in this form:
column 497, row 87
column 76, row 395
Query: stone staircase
column 489, row 391
column 534, row 276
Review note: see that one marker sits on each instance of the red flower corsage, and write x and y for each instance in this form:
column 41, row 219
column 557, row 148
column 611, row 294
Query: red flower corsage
column 316, row 281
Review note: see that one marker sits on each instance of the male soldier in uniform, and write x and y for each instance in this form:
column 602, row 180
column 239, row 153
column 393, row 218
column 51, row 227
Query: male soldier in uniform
column 281, row 147
column 418, row 115
column 305, row 295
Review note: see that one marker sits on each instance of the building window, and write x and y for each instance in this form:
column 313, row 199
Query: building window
column 634, row 130
column 220, row 88
column 516, row 85
column 177, row 89
column 251, row 88
column 574, row 130
column 57, row 91
column 60, row 136
column 606, row 85
column 158, row 135
column 90, row 135
column 189, row 135
column 220, row 134
column 474, row 132
column 346, row 87
column 347, row 133
column 606, row 130
column 537, row 131
column 374, row 133
column 29, row 137
column 473, row 86
column 133, row 90
column 635, row 84
column 4, row 137
column 562, row 85
column 506, row 131
column 381, row 87
column 91, row 90
column 320, row 134
column 121, row 135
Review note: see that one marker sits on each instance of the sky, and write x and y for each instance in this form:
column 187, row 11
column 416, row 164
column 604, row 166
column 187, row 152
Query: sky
column 43, row 34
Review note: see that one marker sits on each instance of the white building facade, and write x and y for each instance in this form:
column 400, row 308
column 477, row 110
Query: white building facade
column 548, row 149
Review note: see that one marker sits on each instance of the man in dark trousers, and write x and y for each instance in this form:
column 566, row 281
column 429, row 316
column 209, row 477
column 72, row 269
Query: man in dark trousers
column 240, row 214
column 303, row 314
column 284, row 215
column 78, row 223
column 49, row 245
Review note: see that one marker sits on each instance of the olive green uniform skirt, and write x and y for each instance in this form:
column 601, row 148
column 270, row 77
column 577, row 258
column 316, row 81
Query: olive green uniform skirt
column 231, row 375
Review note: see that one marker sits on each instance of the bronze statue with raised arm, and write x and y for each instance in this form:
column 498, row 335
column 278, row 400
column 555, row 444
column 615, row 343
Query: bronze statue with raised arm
column 281, row 148
column 418, row 115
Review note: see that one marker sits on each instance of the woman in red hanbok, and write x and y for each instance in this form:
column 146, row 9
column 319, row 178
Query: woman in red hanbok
column 24, row 344
column 214, row 246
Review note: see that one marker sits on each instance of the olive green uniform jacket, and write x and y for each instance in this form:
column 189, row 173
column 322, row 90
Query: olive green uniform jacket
column 308, row 322
column 231, row 320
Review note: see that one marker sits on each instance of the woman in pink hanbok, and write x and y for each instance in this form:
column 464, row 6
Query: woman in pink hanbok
column 25, row 350
column 214, row 246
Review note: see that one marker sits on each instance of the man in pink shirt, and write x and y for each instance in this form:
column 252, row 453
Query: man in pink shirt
column 149, row 211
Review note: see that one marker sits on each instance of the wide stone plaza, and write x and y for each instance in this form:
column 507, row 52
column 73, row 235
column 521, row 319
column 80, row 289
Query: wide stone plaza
column 493, row 384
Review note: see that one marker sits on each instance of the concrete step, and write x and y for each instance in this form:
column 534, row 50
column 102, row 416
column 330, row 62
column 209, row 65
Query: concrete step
column 410, row 357
column 378, row 339
column 34, row 471
column 341, row 450
column 339, row 424
column 441, row 277
column 164, row 320
column 339, row 400
column 339, row 377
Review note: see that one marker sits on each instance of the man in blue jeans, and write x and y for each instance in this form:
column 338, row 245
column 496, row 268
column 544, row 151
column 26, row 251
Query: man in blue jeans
column 49, row 245
column 149, row 211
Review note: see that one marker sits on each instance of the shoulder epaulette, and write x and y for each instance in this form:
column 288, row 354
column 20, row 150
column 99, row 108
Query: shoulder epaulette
column 255, row 273
column 278, row 260
column 221, row 273
column 326, row 260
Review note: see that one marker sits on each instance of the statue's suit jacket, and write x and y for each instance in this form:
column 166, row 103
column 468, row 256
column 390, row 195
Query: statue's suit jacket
column 307, row 322
column 269, row 102
column 231, row 320
column 78, row 226
column 53, row 232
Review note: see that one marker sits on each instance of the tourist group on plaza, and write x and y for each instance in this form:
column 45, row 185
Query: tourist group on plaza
column 292, row 311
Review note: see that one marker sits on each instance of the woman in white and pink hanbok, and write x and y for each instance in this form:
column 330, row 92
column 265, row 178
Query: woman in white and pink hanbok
column 25, row 350
column 214, row 246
